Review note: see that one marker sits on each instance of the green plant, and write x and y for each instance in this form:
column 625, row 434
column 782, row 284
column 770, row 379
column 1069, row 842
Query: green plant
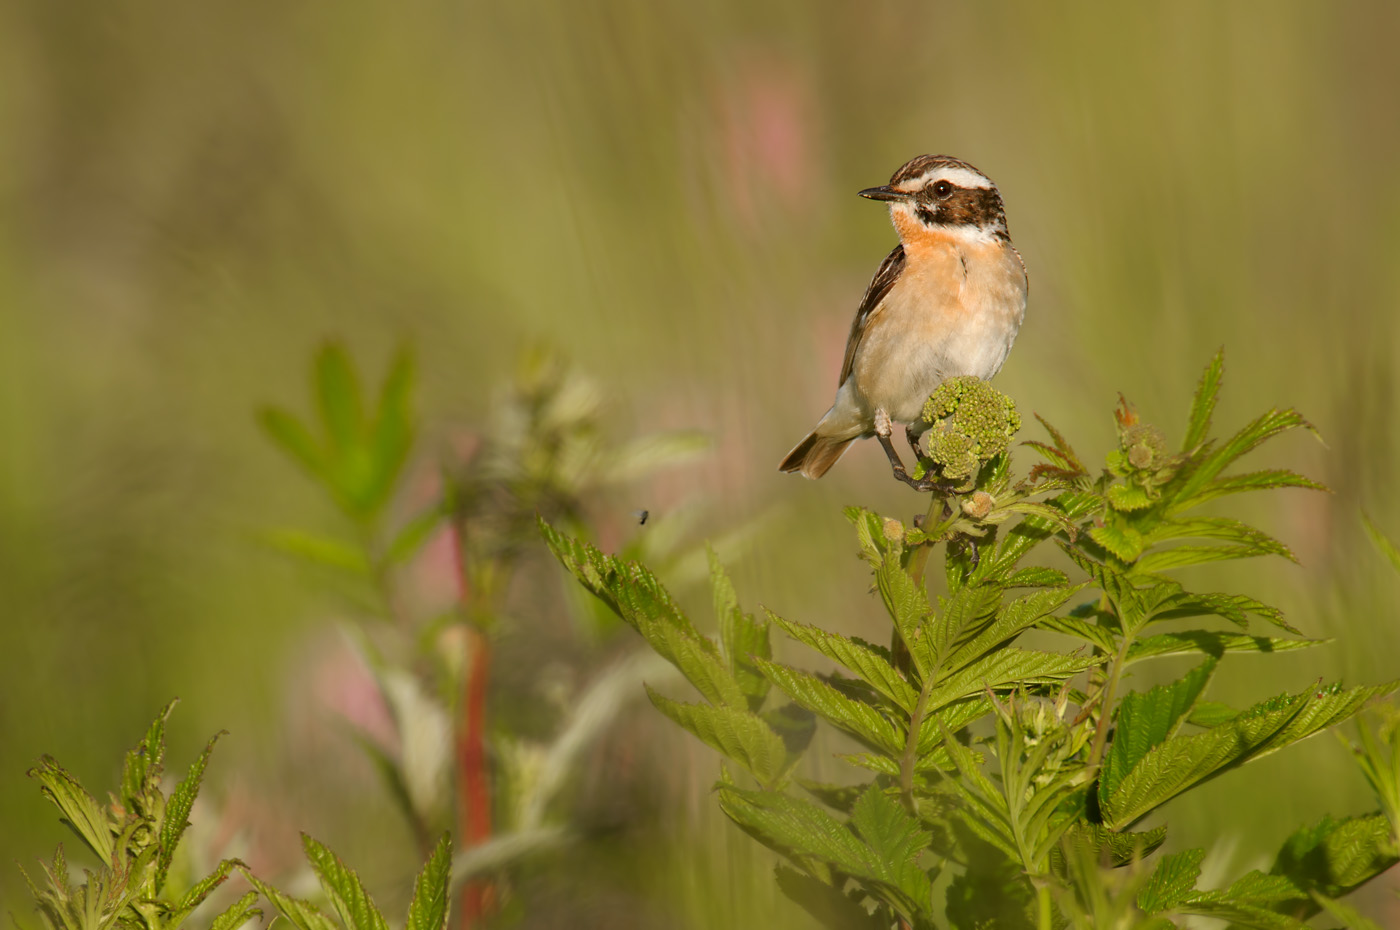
column 1015, row 779
column 544, row 451
column 136, row 837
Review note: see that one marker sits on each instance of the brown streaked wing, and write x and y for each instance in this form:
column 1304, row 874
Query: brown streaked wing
column 879, row 286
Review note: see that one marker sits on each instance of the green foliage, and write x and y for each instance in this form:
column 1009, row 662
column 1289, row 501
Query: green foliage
column 135, row 838
column 1022, row 771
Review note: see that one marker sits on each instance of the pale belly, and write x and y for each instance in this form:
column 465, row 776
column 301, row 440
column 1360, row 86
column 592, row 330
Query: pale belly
column 938, row 326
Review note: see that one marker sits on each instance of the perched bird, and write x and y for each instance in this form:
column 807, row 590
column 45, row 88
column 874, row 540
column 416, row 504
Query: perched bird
column 947, row 301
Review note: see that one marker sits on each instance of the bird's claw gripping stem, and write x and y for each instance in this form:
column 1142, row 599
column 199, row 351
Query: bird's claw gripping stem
column 884, row 429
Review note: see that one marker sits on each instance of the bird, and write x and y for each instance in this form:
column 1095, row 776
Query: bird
column 947, row 301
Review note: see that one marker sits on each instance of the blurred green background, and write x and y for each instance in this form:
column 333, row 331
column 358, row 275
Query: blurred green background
column 195, row 195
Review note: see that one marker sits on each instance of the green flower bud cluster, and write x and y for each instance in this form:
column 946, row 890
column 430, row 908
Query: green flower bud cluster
column 971, row 422
column 1145, row 459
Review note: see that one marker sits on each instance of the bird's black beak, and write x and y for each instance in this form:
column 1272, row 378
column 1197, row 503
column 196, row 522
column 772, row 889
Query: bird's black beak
column 883, row 193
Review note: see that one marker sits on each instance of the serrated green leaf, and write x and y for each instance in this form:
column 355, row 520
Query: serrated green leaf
column 866, row 661
column 952, row 718
column 1336, row 856
column 860, row 720
column 294, row 439
column 637, row 597
column 1009, row 622
column 737, row 733
column 177, row 811
column 909, row 608
column 1184, row 761
column 301, row 914
column 238, row 913
column 319, row 550
column 1203, row 403
column 1255, row 899
column 200, row 890
column 1217, row 528
column 742, row 636
column 142, row 767
column 428, row 908
column 966, row 612
column 1253, row 481
column 897, row 839
column 1210, row 714
column 343, row 888
column 1179, row 556
column 1126, row 498
column 1101, row 637
column 1212, row 643
column 1116, row 849
column 1010, row 666
column 1262, row 428
column 1146, row 720
column 798, row 828
column 1036, row 576
column 1233, row 607
column 80, row 810
column 1120, row 539
column 1172, row 882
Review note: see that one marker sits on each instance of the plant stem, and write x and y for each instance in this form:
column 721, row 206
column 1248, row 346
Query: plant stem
column 1045, row 911
column 919, row 558
column 1106, row 701
column 473, row 783
column 911, row 746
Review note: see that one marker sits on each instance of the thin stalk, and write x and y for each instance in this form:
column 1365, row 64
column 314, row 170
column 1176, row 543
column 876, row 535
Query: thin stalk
column 1045, row 917
column 919, row 559
column 1106, row 700
column 478, row 896
column 910, row 757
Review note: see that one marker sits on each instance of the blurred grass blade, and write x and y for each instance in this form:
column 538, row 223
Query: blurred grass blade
column 415, row 534
column 293, row 438
column 1382, row 542
column 391, row 437
column 338, row 398
column 319, row 550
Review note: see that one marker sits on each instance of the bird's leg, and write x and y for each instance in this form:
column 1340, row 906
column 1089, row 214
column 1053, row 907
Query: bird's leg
column 883, row 430
column 912, row 434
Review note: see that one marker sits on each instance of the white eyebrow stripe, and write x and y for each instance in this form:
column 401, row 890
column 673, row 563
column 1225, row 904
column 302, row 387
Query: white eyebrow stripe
column 960, row 177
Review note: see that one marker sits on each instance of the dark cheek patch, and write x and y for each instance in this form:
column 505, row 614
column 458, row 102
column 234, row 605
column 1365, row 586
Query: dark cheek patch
column 963, row 207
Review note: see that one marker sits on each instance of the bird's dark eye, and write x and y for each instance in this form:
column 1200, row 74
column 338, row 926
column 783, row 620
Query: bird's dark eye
column 942, row 189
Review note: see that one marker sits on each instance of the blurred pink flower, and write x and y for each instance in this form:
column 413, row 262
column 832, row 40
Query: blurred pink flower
column 766, row 133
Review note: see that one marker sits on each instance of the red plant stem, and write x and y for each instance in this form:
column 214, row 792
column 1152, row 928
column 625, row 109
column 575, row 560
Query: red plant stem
column 473, row 783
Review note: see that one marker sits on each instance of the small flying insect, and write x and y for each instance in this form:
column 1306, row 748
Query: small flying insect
column 641, row 516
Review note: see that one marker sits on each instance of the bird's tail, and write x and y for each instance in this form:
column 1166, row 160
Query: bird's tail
column 814, row 455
